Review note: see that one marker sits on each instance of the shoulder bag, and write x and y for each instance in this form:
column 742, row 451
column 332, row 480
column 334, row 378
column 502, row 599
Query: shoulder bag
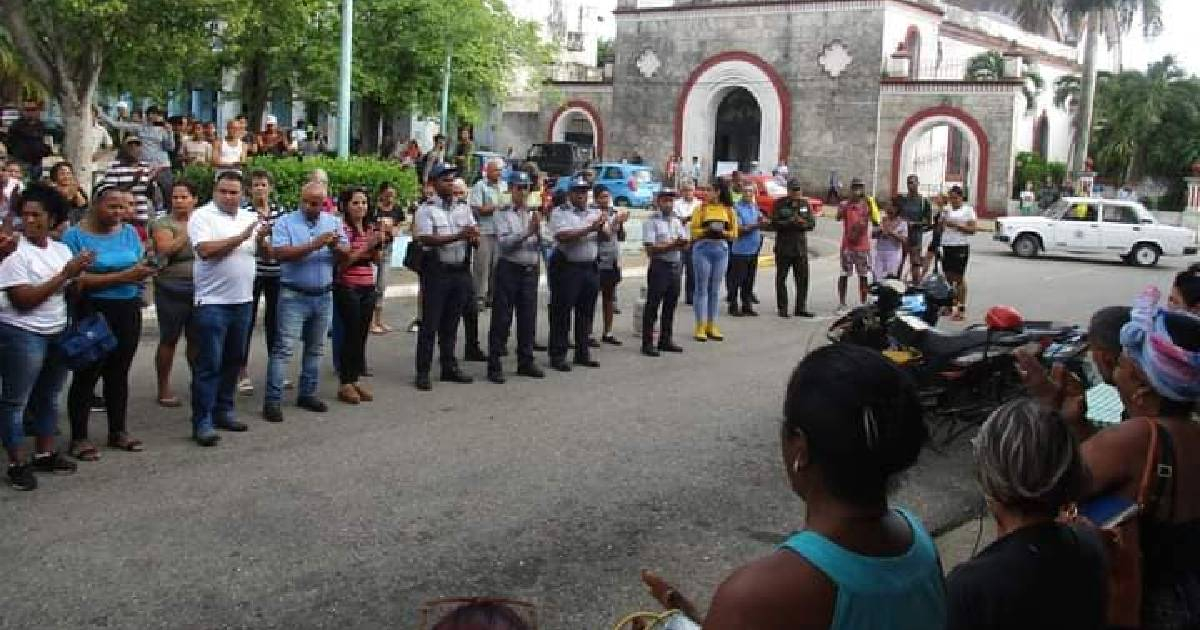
column 86, row 340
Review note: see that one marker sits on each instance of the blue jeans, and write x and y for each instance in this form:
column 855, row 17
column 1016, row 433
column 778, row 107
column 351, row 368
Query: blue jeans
column 221, row 332
column 710, row 259
column 303, row 318
column 31, row 377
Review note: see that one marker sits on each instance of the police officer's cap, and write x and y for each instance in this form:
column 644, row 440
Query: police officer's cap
column 580, row 183
column 441, row 170
column 794, row 184
column 519, row 178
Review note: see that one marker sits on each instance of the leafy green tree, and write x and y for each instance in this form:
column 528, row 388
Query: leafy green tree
column 989, row 66
column 67, row 45
column 1092, row 17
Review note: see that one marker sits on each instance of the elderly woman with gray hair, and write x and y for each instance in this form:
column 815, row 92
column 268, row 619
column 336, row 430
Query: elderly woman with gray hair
column 1039, row 573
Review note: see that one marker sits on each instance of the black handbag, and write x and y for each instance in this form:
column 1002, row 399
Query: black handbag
column 414, row 256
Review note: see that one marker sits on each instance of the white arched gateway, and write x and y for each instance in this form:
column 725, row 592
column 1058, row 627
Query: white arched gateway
column 731, row 76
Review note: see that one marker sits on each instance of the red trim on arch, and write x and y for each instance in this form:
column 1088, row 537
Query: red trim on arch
column 981, row 180
column 592, row 111
column 781, row 91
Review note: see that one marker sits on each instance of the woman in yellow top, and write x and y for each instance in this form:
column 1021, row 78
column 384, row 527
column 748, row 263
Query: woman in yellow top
column 714, row 227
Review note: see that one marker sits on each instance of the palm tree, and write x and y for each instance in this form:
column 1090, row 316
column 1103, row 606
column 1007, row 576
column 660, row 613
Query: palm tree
column 989, row 66
column 1112, row 17
column 1132, row 110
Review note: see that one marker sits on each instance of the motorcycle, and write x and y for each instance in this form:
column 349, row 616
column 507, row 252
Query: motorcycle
column 961, row 376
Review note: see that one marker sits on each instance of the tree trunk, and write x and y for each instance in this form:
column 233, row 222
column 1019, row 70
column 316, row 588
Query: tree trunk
column 255, row 91
column 78, row 121
column 1087, row 91
column 368, row 131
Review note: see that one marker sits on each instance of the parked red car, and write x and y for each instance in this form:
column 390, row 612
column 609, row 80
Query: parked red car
column 770, row 191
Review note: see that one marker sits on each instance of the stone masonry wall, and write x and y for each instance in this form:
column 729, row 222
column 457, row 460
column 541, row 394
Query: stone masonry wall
column 993, row 110
column 833, row 120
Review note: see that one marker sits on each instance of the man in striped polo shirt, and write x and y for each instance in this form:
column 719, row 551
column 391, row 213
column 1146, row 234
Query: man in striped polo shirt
column 129, row 172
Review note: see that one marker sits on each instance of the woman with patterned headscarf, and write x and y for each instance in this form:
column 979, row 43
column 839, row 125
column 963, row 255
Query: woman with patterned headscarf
column 1158, row 377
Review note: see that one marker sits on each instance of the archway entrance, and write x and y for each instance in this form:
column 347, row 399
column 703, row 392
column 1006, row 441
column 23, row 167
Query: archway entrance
column 578, row 129
column 737, row 130
column 578, row 122
column 723, row 88
column 944, row 146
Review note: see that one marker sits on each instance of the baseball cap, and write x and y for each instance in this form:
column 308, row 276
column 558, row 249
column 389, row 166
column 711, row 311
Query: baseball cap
column 441, row 170
column 579, row 182
column 271, row 120
column 519, row 178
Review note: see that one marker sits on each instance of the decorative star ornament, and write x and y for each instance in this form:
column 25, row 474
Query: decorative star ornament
column 648, row 63
column 835, row 58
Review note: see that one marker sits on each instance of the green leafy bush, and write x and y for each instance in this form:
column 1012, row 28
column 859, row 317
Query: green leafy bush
column 1031, row 167
column 290, row 174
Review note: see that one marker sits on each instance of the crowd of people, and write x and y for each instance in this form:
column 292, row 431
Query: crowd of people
column 852, row 420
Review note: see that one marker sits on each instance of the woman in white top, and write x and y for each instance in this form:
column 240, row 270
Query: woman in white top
column 32, row 319
column 958, row 224
column 229, row 152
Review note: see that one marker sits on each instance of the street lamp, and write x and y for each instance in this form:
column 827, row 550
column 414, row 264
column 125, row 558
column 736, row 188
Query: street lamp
column 345, row 69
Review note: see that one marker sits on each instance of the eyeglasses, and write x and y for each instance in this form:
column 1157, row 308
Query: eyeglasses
column 435, row 609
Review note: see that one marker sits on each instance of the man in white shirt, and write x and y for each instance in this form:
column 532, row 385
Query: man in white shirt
column 224, row 236
column 685, row 205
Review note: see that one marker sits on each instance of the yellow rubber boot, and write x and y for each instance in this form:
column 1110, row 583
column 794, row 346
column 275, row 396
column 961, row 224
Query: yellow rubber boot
column 701, row 333
column 713, row 332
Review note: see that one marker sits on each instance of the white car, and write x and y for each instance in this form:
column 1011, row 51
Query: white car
column 1083, row 225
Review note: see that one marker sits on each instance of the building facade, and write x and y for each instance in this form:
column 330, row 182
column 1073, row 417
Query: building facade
column 834, row 89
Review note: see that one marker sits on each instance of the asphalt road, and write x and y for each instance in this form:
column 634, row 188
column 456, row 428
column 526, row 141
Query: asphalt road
column 557, row 491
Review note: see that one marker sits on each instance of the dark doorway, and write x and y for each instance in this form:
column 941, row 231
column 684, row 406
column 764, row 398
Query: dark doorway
column 739, row 123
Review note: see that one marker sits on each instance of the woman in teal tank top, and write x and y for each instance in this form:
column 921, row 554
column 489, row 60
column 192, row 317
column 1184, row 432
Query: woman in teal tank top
column 852, row 423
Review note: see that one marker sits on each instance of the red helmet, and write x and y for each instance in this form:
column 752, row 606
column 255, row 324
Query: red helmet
column 1003, row 318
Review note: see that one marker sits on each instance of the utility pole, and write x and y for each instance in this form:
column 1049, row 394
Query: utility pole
column 345, row 70
column 446, row 92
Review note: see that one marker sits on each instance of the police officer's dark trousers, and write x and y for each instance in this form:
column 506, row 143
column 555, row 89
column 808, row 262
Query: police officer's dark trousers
column 445, row 290
column 798, row 266
column 514, row 288
column 662, row 290
column 573, row 288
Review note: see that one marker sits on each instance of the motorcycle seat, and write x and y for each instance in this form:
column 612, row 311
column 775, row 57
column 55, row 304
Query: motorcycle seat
column 935, row 343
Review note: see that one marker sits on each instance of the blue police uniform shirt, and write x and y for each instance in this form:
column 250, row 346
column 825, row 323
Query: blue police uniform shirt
column 294, row 229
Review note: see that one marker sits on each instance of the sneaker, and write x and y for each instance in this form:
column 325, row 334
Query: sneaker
column 415, row 326
column 348, row 394
column 272, row 413
column 53, row 463
column 20, row 477
column 475, row 355
column 714, row 333
column 749, row 312
column 245, row 386
column 805, row 314
column 650, row 351
column 611, row 340
column 312, row 403
column 98, row 404
column 496, row 376
column 669, row 347
column 288, row 383
column 422, row 382
column 701, row 333
column 456, row 376
column 206, row 439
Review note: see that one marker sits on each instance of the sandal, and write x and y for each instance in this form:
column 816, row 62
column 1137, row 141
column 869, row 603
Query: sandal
column 84, row 451
column 170, row 401
column 386, row 328
column 125, row 443
column 378, row 329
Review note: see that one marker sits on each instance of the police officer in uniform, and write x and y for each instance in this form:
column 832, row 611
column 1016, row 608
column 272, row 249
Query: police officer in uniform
column 665, row 240
column 515, row 285
column 574, row 278
column 446, row 229
column 791, row 221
